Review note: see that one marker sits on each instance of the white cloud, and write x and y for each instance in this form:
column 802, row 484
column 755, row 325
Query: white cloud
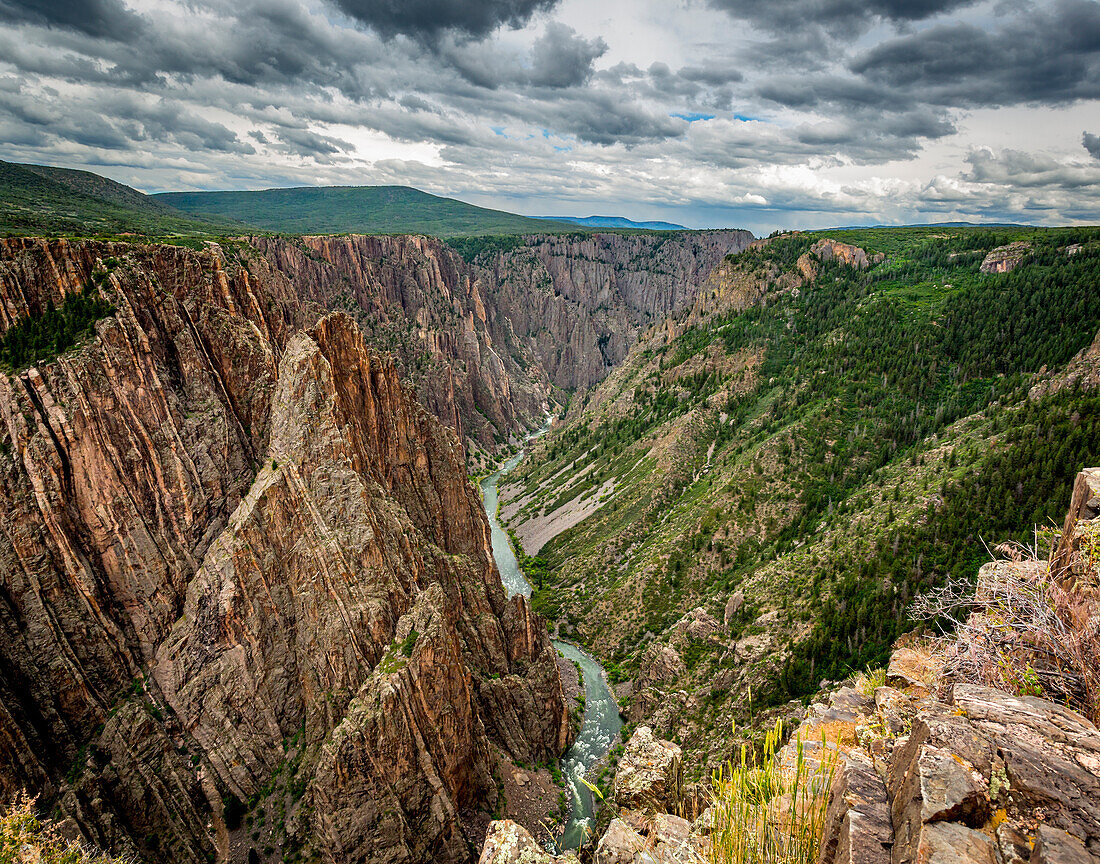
column 643, row 107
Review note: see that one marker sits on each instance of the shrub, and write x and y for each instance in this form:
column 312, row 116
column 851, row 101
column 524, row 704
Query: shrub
column 1023, row 633
column 26, row 837
column 765, row 814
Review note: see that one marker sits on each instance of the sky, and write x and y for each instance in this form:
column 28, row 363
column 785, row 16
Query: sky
column 761, row 114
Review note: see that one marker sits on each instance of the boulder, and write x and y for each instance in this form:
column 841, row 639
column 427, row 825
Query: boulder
column 668, row 828
column 909, row 667
column 733, row 606
column 951, row 843
column 661, row 664
column 618, row 845
column 699, row 624
column 704, row 823
column 1054, row 846
column 1051, row 756
column 650, row 774
column 941, row 773
column 1013, row 847
column 857, row 817
column 509, row 843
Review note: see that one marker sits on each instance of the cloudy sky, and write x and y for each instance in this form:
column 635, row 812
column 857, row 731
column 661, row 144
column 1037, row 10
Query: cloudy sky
column 754, row 113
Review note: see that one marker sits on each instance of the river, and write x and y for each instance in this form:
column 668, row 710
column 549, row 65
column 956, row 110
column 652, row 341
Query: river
column 601, row 713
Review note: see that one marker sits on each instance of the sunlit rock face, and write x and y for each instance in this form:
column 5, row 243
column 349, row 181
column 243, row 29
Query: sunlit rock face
column 241, row 563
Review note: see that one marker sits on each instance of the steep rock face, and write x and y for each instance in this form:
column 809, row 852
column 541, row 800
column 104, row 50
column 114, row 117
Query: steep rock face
column 483, row 341
column 417, row 298
column 1005, row 259
column 221, row 537
column 582, row 301
column 124, row 460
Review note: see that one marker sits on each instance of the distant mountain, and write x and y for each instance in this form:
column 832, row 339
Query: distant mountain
column 356, row 210
column 41, row 199
column 616, row 222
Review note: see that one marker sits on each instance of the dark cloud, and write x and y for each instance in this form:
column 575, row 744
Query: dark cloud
column 561, row 58
column 303, row 142
column 835, row 16
column 1092, row 144
column 1042, row 55
column 106, row 19
column 1021, row 170
column 428, row 18
column 714, row 74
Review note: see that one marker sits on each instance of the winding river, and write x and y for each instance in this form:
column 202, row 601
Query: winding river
column 601, row 714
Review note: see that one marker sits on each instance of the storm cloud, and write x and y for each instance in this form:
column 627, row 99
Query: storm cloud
column 430, row 17
column 790, row 113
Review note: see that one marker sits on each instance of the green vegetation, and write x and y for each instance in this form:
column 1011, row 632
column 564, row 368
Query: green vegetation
column 41, row 338
column 831, row 451
column 25, row 836
column 764, row 815
column 356, row 209
column 42, row 200
column 408, row 642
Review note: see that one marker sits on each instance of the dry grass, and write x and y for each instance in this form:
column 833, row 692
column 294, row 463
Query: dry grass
column 765, row 814
column 866, row 683
column 26, row 839
column 1025, row 633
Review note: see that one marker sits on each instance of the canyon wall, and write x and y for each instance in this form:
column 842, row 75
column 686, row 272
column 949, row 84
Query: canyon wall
column 581, row 300
column 248, row 595
column 416, row 298
column 485, row 341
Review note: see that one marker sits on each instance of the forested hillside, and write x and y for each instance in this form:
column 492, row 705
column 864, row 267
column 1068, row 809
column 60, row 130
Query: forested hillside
column 42, row 199
column 773, row 477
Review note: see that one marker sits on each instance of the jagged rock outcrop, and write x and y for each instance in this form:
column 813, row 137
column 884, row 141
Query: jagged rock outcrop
column 650, row 774
column 234, row 551
column 416, row 297
column 1005, row 259
column 648, row 829
column 509, row 843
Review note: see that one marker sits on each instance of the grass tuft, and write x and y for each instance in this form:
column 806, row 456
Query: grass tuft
column 24, row 836
column 765, row 813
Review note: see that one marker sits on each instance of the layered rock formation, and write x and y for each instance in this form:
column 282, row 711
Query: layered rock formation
column 1005, row 259
column 415, row 297
column 244, row 575
column 582, row 300
column 484, row 341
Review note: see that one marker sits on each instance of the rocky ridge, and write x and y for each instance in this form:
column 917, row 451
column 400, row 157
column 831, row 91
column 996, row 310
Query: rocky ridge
column 920, row 765
column 250, row 602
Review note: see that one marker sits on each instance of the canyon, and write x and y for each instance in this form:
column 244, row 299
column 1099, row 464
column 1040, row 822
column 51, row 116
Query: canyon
column 490, row 343
column 251, row 608
column 250, row 605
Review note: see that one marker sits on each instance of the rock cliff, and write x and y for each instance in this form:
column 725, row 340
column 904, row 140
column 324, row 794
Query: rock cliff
column 249, row 602
column 415, row 297
column 484, row 341
column 969, row 748
column 582, row 301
